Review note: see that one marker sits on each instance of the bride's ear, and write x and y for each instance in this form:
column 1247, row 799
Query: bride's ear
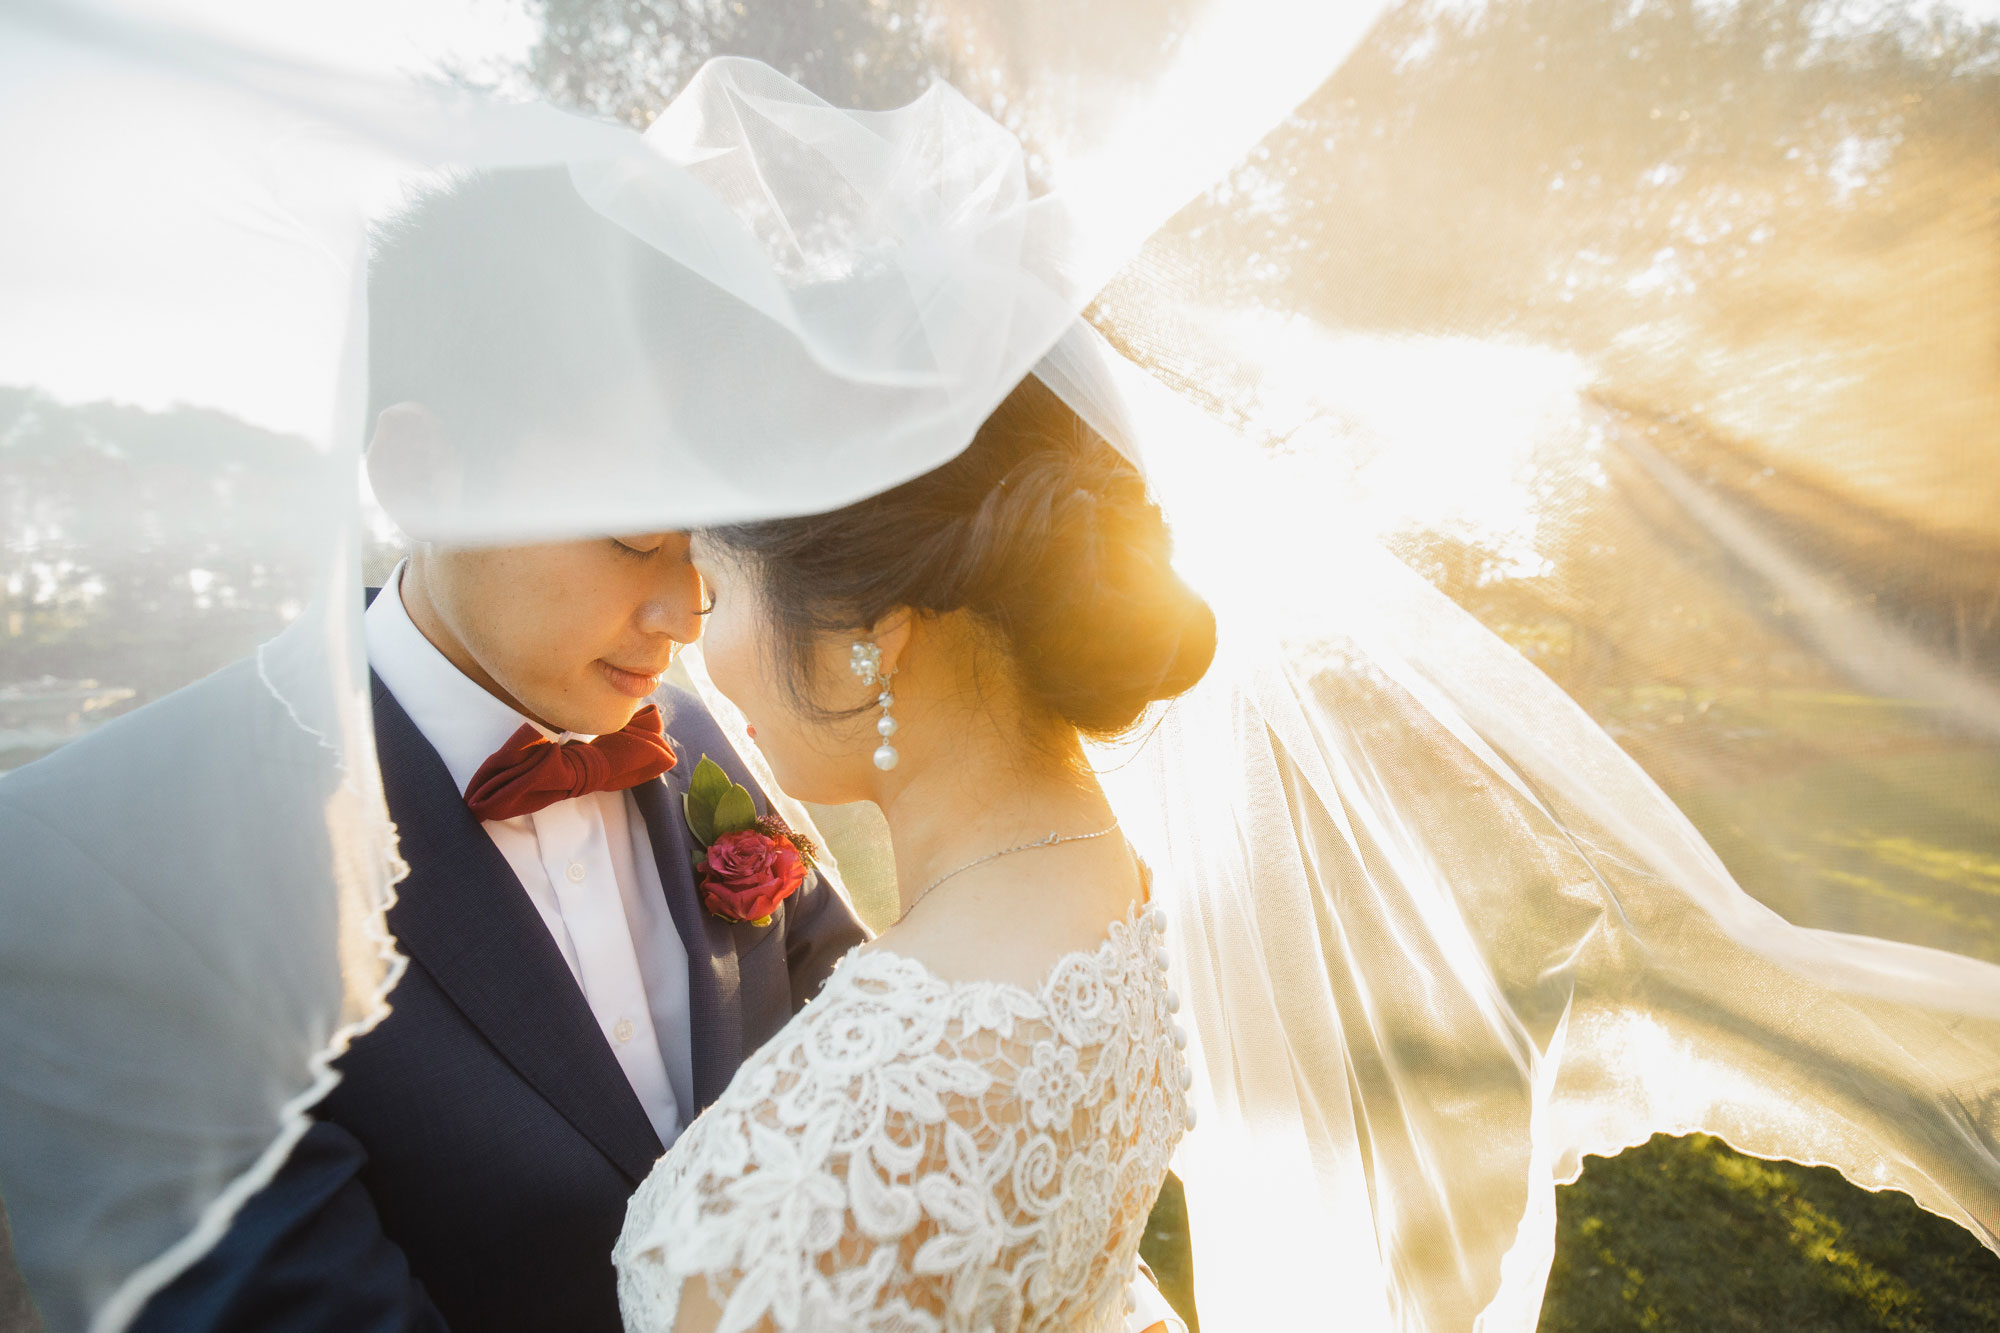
column 892, row 635
column 415, row 474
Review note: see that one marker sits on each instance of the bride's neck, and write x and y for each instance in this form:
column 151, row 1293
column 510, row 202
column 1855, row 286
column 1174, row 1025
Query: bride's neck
column 985, row 791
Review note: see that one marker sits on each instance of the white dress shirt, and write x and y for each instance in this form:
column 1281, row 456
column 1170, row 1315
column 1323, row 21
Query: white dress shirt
column 586, row 864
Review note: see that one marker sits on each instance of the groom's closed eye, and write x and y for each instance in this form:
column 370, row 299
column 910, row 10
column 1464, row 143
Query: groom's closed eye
column 640, row 546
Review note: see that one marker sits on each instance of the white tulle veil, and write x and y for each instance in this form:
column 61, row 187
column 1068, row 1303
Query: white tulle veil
column 1437, row 934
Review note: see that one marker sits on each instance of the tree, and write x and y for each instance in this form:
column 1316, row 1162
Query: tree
column 627, row 58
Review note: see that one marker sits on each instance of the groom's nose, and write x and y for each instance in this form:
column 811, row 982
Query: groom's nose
column 674, row 612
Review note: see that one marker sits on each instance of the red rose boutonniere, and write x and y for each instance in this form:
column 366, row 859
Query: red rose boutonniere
column 748, row 863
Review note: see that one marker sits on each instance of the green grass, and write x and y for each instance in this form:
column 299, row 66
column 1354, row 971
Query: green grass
column 1683, row 1233
column 1861, row 819
column 1840, row 812
column 1905, row 846
column 1165, row 1250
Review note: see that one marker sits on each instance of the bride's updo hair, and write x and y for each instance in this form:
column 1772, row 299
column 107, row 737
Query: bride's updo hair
column 1040, row 530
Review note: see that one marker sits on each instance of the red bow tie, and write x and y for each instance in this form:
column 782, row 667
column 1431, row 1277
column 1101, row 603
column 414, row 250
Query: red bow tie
column 530, row 771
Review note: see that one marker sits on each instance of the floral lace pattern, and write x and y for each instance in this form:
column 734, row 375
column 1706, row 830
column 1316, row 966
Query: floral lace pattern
column 912, row 1155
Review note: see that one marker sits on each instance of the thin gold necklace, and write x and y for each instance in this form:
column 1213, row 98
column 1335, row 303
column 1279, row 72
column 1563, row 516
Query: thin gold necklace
column 1049, row 841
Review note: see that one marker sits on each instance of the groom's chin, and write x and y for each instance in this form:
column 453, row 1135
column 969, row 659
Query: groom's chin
column 600, row 715
column 594, row 701
column 598, row 708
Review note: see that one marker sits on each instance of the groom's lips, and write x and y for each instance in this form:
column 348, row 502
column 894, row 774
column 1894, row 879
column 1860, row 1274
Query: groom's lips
column 636, row 684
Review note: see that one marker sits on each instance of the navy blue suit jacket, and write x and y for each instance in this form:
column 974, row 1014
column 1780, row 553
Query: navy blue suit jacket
column 471, row 1169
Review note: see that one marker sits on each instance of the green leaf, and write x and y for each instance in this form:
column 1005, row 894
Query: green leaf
column 708, row 785
column 701, row 819
column 735, row 811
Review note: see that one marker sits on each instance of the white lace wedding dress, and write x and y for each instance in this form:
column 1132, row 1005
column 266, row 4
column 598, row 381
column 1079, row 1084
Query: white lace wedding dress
column 912, row 1155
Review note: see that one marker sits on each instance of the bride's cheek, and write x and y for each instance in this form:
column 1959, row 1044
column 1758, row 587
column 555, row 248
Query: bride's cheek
column 722, row 648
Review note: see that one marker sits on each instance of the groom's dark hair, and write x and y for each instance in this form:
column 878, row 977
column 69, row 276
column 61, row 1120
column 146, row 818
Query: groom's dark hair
column 501, row 300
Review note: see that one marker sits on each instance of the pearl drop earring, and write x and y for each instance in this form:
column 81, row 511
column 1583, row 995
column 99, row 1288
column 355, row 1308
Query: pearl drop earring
column 865, row 661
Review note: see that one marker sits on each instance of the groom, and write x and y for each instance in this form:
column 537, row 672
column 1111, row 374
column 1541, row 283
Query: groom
column 570, row 1004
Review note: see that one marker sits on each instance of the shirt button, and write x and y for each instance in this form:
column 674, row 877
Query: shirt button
column 622, row 1030
column 575, row 872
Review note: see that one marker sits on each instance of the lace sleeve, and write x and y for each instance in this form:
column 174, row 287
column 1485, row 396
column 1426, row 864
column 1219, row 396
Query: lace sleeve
column 915, row 1156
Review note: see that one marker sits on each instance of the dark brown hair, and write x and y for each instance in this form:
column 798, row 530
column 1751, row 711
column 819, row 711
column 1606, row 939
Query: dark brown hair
column 1040, row 529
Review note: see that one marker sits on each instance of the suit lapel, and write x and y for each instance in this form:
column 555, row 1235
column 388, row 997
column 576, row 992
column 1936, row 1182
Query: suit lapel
column 715, row 1009
column 463, row 915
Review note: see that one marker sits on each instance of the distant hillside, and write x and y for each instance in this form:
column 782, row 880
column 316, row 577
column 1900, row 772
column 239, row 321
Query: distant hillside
column 143, row 550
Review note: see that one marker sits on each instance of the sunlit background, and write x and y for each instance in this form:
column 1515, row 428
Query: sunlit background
column 1661, row 335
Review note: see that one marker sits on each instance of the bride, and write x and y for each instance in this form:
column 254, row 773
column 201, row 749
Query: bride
column 968, row 1126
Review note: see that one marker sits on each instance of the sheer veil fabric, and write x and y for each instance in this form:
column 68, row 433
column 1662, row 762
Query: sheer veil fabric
column 1438, row 935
